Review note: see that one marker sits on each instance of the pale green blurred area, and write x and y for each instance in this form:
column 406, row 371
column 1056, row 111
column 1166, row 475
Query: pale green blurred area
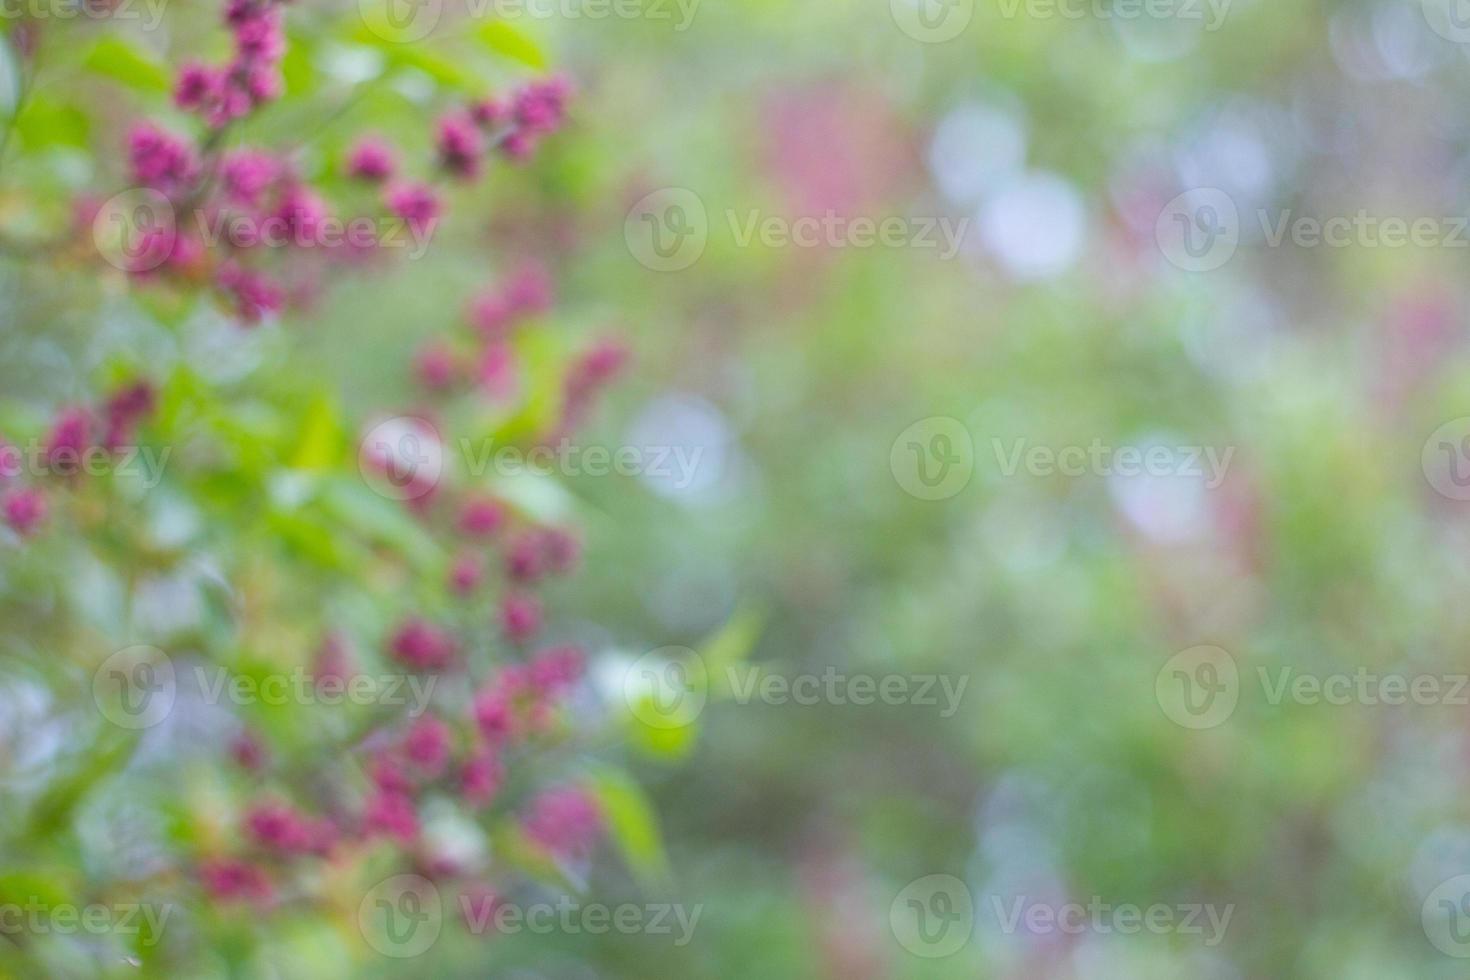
column 1061, row 778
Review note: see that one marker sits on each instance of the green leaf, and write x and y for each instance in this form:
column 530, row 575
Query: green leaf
column 44, row 123
column 320, row 446
column 632, row 824
column 729, row 645
column 511, row 42
column 123, row 61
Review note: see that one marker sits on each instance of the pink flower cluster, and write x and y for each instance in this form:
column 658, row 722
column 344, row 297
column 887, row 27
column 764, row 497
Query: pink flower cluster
column 252, row 78
column 262, row 199
column 75, row 431
column 408, row 760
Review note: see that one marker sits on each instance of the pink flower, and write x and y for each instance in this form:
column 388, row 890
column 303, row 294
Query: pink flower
column 481, row 777
column 427, row 745
column 422, row 646
column 370, row 159
column 466, row 574
column 415, row 204
column 71, row 435
column 253, row 295
column 390, row 775
column 529, row 290
column 560, row 549
column 277, row 826
column 392, row 814
column 523, row 559
column 247, row 752
column 481, row 517
column 540, row 107
column 124, row 409
column 564, row 820
column 246, row 175
column 497, row 370
column 24, row 510
column 490, row 314
column 520, row 616
column 489, row 113
column 493, row 715
column 332, row 661
column 197, row 87
column 160, row 160
column 435, row 366
column 556, row 668
column 303, row 212
column 460, row 146
column 519, row 145
column 233, row 879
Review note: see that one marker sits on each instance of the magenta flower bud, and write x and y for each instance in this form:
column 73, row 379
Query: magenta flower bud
column 556, row 668
column 460, row 145
column 370, row 159
column 481, row 777
column 229, row 879
column 489, row 113
column 197, row 86
column 481, row 517
column 520, row 617
column 493, row 715
column 422, row 646
column 435, row 366
column 529, row 291
column 540, row 107
column 415, row 204
column 392, row 815
column 523, row 561
column 427, row 745
column 24, row 510
column 564, row 820
column 70, row 437
column 246, row 175
column 466, row 574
